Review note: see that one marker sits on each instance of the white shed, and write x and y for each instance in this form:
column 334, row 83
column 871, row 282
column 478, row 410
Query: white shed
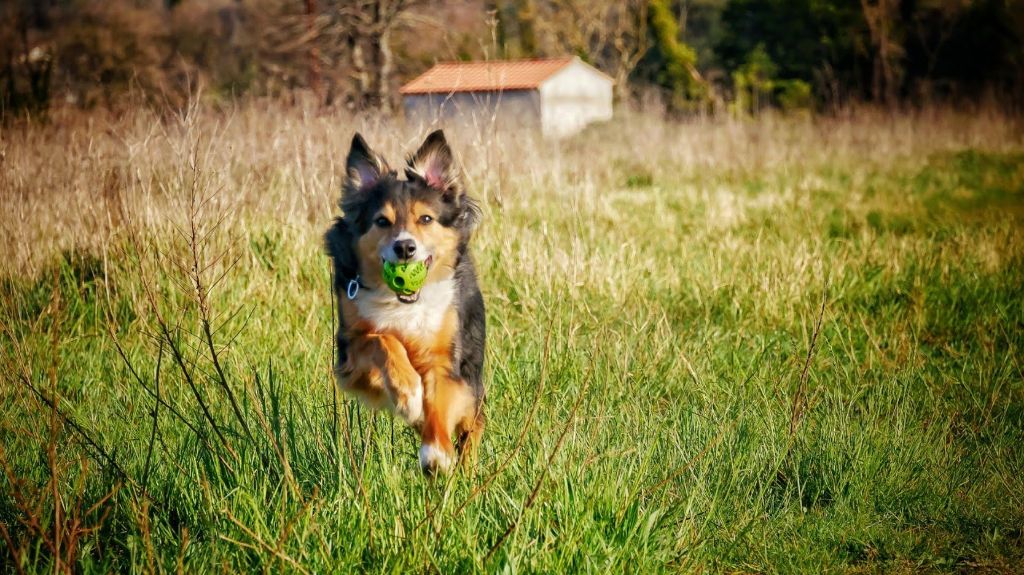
column 560, row 96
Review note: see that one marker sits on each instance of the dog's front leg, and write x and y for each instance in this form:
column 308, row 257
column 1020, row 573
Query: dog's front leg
column 449, row 406
column 381, row 362
column 403, row 384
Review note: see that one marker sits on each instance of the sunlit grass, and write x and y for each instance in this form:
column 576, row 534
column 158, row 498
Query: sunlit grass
column 767, row 346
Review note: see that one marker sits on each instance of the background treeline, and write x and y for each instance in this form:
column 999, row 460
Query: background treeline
column 685, row 55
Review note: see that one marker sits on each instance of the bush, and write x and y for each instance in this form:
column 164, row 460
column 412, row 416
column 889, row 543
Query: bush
column 794, row 95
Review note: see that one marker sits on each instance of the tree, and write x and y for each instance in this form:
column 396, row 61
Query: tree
column 679, row 59
column 883, row 20
column 610, row 34
column 816, row 41
column 515, row 22
column 754, row 82
column 372, row 23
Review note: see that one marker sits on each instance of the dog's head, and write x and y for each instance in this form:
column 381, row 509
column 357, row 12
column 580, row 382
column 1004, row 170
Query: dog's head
column 425, row 217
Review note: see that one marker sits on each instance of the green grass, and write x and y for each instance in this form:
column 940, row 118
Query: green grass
column 810, row 364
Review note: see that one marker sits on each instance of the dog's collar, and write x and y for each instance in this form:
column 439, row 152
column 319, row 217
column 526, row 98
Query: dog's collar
column 352, row 289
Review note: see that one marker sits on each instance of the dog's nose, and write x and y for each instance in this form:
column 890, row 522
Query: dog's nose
column 404, row 249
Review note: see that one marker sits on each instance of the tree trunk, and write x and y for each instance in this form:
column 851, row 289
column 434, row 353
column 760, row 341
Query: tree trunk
column 359, row 71
column 881, row 18
column 385, row 62
column 526, row 14
column 314, row 55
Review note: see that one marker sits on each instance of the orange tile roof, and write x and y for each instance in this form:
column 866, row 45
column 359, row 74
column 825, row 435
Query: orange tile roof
column 492, row 76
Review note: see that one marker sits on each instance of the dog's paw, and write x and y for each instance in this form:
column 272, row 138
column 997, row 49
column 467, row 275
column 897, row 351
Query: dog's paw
column 435, row 460
column 409, row 404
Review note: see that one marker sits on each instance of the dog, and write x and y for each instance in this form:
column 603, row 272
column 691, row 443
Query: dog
column 419, row 355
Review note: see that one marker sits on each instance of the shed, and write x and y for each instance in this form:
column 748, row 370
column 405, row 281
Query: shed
column 559, row 96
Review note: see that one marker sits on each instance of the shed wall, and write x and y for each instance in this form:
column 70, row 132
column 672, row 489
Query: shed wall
column 573, row 98
column 516, row 108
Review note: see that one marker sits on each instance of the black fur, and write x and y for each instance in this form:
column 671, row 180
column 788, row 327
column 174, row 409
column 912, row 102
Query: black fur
column 370, row 183
column 472, row 319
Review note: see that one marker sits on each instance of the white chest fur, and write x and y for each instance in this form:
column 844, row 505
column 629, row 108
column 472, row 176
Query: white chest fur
column 421, row 319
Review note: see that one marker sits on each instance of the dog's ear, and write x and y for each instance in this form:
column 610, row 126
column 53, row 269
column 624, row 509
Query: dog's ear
column 435, row 165
column 363, row 168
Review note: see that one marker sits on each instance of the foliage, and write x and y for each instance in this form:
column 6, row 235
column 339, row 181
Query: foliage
column 934, row 49
column 757, row 87
column 754, row 81
column 815, row 41
column 794, row 95
column 679, row 61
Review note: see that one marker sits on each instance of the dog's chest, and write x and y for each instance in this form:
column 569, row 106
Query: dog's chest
column 421, row 319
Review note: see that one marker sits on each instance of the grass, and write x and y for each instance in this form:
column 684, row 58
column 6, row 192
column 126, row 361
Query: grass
column 783, row 345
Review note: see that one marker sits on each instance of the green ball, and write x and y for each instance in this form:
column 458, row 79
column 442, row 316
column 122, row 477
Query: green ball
column 405, row 279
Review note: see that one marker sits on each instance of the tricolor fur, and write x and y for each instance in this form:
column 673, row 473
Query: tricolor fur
column 419, row 355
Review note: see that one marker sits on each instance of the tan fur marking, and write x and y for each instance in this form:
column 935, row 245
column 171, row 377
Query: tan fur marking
column 442, row 242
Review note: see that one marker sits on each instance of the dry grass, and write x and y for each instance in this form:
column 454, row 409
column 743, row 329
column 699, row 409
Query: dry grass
column 72, row 182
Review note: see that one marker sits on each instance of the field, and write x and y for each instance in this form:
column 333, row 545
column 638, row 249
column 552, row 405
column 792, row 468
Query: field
column 771, row 345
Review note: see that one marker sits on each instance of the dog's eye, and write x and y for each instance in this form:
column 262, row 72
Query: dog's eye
column 426, row 219
column 382, row 222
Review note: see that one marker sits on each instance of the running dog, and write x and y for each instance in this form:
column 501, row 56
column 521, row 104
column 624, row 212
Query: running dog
column 419, row 355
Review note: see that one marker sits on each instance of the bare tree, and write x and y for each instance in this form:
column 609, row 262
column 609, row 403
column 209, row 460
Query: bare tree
column 330, row 46
column 612, row 34
column 314, row 57
column 372, row 23
column 933, row 23
column 882, row 18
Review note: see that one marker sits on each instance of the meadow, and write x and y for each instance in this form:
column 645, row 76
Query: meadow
column 768, row 345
